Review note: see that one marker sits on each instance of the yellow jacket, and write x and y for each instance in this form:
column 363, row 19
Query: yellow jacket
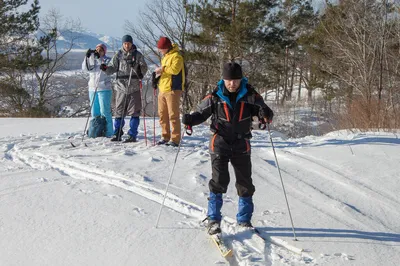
column 173, row 73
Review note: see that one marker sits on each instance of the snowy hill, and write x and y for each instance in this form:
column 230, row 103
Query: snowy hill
column 98, row 205
column 85, row 39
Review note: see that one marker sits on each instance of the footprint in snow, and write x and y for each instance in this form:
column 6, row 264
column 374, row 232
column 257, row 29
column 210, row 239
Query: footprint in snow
column 152, row 159
column 129, row 153
column 112, row 196
column 269, row 212
column 139, row 211
column 42, row 179
column 86, row 191
column 344, row 256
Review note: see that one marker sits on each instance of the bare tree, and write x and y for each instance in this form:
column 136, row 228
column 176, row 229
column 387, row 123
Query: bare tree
column 54, row 57
column 162, row 18
column 355, row 40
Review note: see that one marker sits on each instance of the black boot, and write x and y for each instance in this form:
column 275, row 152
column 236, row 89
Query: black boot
column 162, row 142
column 117, row 136
column 213, row 227
column 130, row 139
column 245, row 224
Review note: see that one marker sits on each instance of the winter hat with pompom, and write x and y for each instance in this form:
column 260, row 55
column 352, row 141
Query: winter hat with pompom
column 103, row 46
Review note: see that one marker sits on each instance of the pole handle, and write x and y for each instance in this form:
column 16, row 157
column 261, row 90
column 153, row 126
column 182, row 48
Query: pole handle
column 189, row 130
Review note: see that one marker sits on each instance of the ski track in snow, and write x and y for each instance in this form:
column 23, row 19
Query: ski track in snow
column 36, row 153
column 340, row 179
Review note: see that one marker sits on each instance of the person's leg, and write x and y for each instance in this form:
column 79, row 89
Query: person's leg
column 134, row 125
column 217, row 185
column 164, row 117
column 94, row 102
column 134, row 108
column 245, row 211
column 105, row 110
column 119, row 123
column 245, row 188
column 120, row 110
column 173, row 102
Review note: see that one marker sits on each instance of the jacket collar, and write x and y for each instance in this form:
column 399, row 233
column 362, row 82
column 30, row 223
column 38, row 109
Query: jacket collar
column 240, row 93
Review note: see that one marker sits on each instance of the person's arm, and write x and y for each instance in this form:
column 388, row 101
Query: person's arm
column 175, row 67
column 261, row 109
column 112, row 66
column 204, row 111
column 88, row 64
column 142, row 65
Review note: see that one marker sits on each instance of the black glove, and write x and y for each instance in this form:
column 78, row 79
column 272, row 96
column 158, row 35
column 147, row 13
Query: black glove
column 154, row 80
column 267, row 114
column 187, row 119
column 103, row 67
column 89, row 53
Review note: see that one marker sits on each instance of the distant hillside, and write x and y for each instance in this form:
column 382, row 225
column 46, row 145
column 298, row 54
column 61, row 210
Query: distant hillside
column 85, row 40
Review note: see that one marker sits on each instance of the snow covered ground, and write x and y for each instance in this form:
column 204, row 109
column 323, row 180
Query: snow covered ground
column 98, row 205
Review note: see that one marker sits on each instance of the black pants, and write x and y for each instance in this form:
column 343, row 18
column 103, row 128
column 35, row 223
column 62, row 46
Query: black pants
column 220, row 175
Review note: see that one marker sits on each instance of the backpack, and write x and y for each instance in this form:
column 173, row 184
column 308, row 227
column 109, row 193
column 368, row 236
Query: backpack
column 185, row 68
column 97, row 127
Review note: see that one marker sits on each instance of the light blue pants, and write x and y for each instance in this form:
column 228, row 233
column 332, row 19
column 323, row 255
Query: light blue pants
column 102, row 106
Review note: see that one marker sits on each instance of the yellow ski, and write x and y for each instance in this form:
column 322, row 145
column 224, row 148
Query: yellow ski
column 219, row 242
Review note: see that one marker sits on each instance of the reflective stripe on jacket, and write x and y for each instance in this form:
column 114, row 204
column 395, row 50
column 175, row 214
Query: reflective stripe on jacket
column 230, row 120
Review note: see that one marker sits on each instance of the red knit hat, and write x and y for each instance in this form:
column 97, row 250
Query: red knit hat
column 164, row 43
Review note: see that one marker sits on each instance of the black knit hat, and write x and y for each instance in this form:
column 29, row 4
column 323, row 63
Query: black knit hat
column 232, row 71
column 127, row 38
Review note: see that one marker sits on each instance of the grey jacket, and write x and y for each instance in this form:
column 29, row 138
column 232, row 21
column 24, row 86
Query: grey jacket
column 121, row 63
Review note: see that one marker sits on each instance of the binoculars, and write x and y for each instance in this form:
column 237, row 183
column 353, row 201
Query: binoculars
column 95, row 53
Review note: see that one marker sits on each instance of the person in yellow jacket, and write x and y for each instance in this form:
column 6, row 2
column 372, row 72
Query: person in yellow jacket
column 171, row 85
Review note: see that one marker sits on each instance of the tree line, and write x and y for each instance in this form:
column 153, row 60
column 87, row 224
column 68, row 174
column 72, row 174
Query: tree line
column 344, row 55
column 347, row 51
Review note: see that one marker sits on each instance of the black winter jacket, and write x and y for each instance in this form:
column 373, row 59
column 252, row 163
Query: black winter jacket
column 231, row 120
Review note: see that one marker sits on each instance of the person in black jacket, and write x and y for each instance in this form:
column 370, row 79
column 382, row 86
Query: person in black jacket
column 231, row 106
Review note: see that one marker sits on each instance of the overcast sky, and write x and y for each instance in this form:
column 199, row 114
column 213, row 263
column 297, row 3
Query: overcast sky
column 100, row 16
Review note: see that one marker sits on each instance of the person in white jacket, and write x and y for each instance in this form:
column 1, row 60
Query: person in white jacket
column 99, row 83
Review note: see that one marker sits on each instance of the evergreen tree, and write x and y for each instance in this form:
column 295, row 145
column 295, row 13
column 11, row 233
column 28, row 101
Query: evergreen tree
column 15, row 51
column 15, row 29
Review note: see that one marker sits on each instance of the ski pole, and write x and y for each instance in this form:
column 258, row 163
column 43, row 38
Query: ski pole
column 169, row 179
column 154, row 116
column 90, row 112
column 154, row 86
column 143, row 104
column 283, row 186
column 143, row 110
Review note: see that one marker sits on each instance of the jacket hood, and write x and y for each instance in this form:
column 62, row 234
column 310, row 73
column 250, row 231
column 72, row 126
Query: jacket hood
column 174, row 49
column 240, row 92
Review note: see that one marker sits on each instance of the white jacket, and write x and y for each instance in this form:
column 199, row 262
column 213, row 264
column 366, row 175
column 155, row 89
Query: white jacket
column 96, row 75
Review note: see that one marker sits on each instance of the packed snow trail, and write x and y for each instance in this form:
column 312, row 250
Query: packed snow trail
column 247, row 251
column 344, row 202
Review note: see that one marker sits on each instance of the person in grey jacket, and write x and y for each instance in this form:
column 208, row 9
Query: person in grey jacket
column 128, row 62
column 100, row 92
